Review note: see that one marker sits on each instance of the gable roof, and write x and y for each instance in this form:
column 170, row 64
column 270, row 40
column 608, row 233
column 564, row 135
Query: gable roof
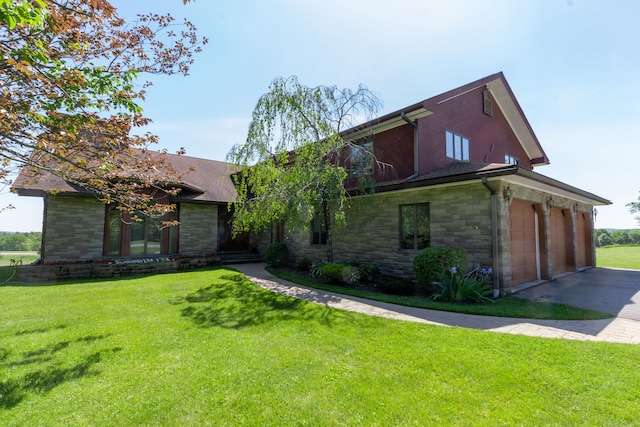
column 202, row 180
column 508, row 104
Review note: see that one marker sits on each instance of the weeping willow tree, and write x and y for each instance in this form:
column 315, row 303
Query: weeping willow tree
column 296, row 159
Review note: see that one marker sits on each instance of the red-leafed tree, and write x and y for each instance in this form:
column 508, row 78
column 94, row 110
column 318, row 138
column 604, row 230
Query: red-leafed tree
column 70, row 94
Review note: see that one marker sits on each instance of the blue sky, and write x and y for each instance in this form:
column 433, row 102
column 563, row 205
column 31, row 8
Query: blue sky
column 572, row 64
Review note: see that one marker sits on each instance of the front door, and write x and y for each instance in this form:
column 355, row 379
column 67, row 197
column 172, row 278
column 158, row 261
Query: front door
column 226, row 241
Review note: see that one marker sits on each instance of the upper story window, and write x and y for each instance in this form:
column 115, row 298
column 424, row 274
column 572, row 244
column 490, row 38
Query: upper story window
column 457, row 146
column 361, row 157
column 508, row 158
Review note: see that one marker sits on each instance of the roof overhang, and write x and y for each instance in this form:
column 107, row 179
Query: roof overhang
column 506, row 173
column 534, row 180
column 388, row 121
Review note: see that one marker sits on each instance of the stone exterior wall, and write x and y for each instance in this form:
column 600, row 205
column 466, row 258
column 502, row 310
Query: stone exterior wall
column 73, row 228
column 198, row 229
column 460, row 216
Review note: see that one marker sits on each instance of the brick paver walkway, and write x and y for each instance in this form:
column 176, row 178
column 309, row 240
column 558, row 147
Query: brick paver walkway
column 615, row 329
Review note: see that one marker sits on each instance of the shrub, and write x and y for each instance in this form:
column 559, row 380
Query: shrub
column 304, row 264
column 316, row 269
column 276, row 255
column 369, row 272
column 432, row 263
column 394, row 285
column 332, row 272
column 456, row 287
column 350, row 274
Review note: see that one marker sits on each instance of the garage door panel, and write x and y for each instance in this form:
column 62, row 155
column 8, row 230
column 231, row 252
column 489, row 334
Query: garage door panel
column 523, row 242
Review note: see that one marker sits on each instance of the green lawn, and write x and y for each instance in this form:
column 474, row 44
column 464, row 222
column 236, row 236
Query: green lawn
column 25, row 257
column 210, row 348
column 501, row 307
column 623, row 256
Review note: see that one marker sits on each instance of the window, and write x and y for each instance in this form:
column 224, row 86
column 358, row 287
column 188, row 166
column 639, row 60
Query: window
column 125, row 237
column 510, row 159
column 415, row 232
column 457, row 146
column 361, row 157
column 318, row 231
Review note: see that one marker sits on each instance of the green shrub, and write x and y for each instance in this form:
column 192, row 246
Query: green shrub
column 369, row 272
column 332, row 272
column 304, row 264
column 276, row 255
column 432, row 263
column 350, row 274
column 394, row 285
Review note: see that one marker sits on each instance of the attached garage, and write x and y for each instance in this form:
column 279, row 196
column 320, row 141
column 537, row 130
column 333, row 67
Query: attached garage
column 525, row 248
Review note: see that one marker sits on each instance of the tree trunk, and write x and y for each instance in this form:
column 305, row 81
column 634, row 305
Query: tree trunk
column 327, row 226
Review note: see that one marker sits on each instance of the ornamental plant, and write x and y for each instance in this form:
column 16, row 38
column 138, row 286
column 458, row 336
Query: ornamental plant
column 456, row 287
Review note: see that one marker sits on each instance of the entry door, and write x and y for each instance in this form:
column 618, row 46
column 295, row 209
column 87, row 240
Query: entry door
column 524, row 243
column 226, row 241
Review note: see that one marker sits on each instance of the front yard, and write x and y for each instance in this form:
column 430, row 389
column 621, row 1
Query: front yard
column 210, row 348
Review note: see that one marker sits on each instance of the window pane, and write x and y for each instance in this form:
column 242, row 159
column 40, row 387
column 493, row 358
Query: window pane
column 407, row 218
column 423, row 237
column 449, row 138
column 457, row 149
column 414, row 226
column 114, row 227
column 319, row 234
column 465, row 149
column 154, row 237
column 136, row 246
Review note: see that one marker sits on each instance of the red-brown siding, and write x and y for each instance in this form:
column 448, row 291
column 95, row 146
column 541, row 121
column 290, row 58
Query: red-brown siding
column 490, row 137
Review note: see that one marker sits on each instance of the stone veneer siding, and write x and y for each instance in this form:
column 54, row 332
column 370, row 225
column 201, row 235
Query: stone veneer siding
column 460, row 216
column 73, row 228
column 198, row 229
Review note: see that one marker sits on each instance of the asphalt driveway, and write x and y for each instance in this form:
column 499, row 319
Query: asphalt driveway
column 607, row 290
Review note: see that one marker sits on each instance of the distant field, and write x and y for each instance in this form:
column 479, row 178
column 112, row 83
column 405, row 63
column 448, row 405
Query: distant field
column 623, row 256
column 25, row 257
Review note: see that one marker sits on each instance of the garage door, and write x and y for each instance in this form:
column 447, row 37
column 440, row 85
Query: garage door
column 561, row 250
column 584, row 239
column 524, row 250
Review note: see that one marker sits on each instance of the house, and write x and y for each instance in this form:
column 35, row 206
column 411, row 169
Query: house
column 460, row 173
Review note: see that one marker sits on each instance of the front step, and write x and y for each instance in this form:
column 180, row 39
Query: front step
column 239, row 257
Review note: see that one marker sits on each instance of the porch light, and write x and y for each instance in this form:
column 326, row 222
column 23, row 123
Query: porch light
column 550, row 202
column 508, row 193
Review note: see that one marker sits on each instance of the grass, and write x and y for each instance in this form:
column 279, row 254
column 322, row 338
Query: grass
column 502, row 307
column 25, row 257
column 622, row 256
column 6, row 270
column 210, row 348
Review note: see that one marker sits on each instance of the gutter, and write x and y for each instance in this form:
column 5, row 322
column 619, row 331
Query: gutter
column 415, row 146
column 497, row 286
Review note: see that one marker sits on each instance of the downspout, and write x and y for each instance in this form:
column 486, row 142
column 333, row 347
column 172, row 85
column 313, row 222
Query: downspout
column 497, row 285
column 415, row 146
